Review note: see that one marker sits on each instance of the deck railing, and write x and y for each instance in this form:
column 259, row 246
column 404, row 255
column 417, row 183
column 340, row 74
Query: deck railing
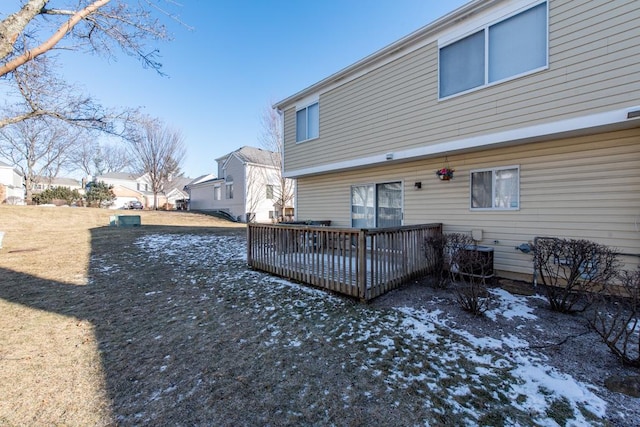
column 357, row 262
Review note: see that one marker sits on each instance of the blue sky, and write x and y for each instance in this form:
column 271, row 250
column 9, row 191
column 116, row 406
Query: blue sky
column 240, row 57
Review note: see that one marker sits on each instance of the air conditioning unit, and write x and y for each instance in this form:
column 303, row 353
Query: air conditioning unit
column 480, row 262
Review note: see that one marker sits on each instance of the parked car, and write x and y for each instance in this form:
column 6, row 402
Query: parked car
column 135, row 205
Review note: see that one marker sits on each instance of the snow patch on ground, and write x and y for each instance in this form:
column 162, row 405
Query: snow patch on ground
column 409, row 347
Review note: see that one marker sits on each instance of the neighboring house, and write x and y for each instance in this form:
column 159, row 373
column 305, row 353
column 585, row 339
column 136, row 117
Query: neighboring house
column 535, row 104
column 130, row 187
column 43, row 183
column 175, row 194
column 11, row 185
column 247, row 186
column 200, row 192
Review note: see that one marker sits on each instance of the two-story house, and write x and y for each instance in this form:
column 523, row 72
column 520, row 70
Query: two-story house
column 248, row 187
column 534, row 104
column 11, row 185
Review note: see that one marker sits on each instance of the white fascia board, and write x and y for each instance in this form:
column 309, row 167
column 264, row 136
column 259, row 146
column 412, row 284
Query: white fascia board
column 574, row 126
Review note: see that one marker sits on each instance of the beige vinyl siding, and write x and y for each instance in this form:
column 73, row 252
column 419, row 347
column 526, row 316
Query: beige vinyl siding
column 584, row 187
column 594, row 66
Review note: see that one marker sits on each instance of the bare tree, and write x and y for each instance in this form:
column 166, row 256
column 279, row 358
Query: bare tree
column 255, row 192
column 95, row 158
column 158, row 151
column 94, row 25
column 272, row 139
column 38, row 92
column 38, row 148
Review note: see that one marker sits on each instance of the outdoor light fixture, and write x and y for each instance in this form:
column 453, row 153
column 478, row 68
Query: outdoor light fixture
column 418, row 185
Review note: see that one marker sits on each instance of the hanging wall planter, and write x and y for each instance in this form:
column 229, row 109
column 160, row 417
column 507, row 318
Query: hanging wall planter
column 445, row 174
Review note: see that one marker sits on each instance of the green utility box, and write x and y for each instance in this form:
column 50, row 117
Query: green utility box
column 125, row 221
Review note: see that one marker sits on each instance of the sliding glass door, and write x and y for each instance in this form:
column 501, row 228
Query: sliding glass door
column 376, row 205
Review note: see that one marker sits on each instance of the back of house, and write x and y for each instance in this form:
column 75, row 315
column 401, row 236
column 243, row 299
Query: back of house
column 533, row 106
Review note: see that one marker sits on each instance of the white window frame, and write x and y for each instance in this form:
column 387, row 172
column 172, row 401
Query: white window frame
column 493, row 188
column 486, row 28
column 375, row 185
column 270, row 191
column 217, row 191
column 306, row 110
column 228, row 191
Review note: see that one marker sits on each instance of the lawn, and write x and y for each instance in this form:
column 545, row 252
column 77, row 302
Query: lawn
column 165, row 325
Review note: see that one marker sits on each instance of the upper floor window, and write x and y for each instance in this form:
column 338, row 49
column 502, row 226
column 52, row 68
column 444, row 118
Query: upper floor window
column 216, row 193
column 506, row 49
column 229, row 191
column 269, row 191
column 497, row 188
column 308, row 122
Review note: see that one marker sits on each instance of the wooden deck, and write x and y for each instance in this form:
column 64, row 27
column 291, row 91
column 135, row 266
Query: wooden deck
column 355, row 262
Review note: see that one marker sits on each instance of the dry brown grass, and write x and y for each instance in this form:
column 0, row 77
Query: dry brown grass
column 51, row 371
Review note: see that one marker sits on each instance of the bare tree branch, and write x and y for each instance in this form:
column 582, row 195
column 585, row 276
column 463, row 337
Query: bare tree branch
column 13, row 25
column 271, row 139
column 62, row 31
column 100, row 25
column 158, row 151
column 38, row 148
column 41, row 93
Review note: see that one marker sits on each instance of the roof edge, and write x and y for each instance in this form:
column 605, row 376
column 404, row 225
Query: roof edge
column 473, row 7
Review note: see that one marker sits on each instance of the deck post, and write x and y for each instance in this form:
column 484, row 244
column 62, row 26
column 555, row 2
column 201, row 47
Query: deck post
column 362, row 264
column 249, row 244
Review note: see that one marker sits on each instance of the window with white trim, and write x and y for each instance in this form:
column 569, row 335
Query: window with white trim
column 308, row 122
column 269, row 191
column 376, row 205
column 229, row 190
column 506, row 49
column 497, row 188
column 216, row 192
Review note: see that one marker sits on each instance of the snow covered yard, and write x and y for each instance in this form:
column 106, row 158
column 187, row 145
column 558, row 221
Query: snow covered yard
column 193, row 337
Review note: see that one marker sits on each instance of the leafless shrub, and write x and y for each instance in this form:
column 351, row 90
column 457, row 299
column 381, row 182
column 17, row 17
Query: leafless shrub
column 435, row 248
column 469, row 268
column 616, row 319
column 570, row 271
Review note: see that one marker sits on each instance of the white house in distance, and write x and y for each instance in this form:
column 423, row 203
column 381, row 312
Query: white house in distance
column 247, row 188
column 43, row 183
column 11, row 185
column 129, row 187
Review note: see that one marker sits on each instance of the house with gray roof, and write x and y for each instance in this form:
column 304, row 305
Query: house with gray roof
column 129, row 187
column 248, row 187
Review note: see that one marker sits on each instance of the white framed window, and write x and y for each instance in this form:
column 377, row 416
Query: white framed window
column 216, row 192
column 308, row 122
column 229, row 190
column 495, row 188
column 376, row 205
column 269, row 191
column 507, row 49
